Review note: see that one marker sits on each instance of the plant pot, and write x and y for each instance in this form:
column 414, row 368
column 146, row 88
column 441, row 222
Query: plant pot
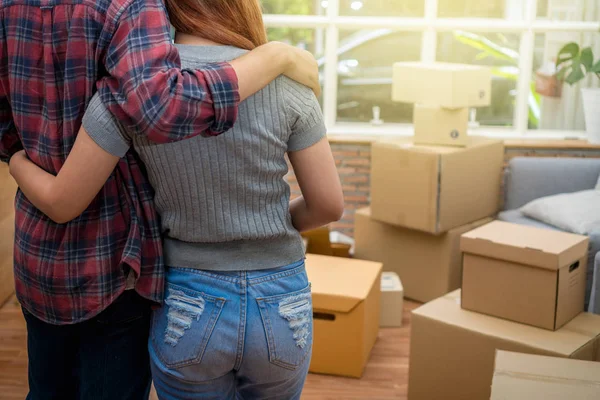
column 591, row 107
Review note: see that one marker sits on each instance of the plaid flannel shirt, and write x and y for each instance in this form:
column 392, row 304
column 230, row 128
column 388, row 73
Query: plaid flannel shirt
column 54, row 55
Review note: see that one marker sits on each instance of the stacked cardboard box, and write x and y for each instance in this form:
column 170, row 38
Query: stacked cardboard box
column 443, row 94
column 423, row 197
column 523, row 290
column 529, row 275
column 452, row 350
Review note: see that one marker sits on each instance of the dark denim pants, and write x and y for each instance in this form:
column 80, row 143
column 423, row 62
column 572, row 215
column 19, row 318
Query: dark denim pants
column 105, row 358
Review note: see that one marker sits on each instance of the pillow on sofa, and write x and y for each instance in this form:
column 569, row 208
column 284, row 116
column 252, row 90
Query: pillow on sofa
column 598, row 184
column 577, row 212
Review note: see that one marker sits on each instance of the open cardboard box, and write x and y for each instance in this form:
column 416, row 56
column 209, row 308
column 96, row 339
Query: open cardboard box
column 435, row 189
column 323, row 242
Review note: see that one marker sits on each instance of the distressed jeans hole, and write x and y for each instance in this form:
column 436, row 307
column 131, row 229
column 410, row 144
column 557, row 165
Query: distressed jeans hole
column 297, row 310
column 183, row 310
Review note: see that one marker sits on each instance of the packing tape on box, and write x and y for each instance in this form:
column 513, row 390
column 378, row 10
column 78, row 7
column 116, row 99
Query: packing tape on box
column 546, row 379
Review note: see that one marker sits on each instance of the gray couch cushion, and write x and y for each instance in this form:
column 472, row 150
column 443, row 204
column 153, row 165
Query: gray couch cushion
column 577, row 212
column 517, row 217
column 598, row 184
column 530, row 178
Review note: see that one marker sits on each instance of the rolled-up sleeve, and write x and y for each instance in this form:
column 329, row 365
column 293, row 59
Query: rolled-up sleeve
column 104, row 129
column 148, row 92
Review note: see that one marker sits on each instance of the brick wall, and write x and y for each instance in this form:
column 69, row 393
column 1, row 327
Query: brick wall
column 354, row 162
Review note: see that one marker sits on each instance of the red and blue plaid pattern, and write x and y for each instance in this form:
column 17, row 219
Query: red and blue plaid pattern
column 54, row 54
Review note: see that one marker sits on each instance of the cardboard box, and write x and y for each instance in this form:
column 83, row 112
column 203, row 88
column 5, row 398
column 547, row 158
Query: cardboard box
column 429, row 266
column 452, row 350
column 529, row 275
column 392, row 300
column 526, row 377
column 346, row 301
column 318, row 241
column 442, row 84
column 8, row 189
column 435, row 189
column 441, row 126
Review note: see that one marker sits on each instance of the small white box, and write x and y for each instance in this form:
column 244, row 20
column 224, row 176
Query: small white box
column 392, row 300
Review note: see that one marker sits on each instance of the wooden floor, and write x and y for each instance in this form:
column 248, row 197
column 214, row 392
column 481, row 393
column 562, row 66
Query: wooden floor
column 386, row 375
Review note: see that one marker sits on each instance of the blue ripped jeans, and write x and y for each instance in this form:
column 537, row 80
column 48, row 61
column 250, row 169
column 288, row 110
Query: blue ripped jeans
column 233, row 335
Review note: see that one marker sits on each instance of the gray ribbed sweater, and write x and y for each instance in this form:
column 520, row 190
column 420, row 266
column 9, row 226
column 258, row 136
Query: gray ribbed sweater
column 223, row 201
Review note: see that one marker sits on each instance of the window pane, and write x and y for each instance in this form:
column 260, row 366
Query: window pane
column 559, row 105
column 499, row 51
column 568, row 10
column 312, row 40
column 383, row 8
column 297, row 7
column 542, row 8
column 480, row 9
column 365, row 73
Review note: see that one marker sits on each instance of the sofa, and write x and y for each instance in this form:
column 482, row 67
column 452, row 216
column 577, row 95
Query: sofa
column 529, row 178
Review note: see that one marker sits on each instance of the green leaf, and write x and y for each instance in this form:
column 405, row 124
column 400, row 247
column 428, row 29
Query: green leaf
column 576, row 74
column 596, row 68
column 561, row 74
column 567, row 53
column 587, row 58
column 481, row 56
column 511, row 73
column 486, row 45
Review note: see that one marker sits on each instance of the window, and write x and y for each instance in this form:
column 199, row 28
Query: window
column 357, row 42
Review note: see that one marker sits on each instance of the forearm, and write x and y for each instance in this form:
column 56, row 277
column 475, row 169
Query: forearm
column 34, row 182
column 67, row 195
column 261, row 66
column 305, row 219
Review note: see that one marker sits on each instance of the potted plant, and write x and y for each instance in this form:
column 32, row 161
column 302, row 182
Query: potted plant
column 573, row 64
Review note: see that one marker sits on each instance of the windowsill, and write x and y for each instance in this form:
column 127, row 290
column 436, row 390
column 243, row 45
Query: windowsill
column 355, row 133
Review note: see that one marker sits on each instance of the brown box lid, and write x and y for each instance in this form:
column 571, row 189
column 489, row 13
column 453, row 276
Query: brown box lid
column 527, row 245
column 340, row 284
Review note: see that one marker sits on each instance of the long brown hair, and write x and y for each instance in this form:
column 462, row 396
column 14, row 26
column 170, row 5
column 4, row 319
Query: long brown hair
column 231, row 22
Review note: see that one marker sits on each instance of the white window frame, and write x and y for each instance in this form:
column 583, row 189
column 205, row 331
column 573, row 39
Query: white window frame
column 430, row 25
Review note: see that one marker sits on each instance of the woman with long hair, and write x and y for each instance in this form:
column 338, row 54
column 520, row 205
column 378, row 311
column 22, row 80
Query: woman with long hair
column 237, row 318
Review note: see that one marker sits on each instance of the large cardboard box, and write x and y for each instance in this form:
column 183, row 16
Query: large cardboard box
column 429, row 266
column 8, row 188
column 526, row 377
column 452, row 350
column 440, row 126
column 442, row 84
column 392, row 300
column 435, row 189
column 346, row 297
column 525, row 274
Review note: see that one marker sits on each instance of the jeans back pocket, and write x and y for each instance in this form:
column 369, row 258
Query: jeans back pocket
column 288, row 324
column 182, row 328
